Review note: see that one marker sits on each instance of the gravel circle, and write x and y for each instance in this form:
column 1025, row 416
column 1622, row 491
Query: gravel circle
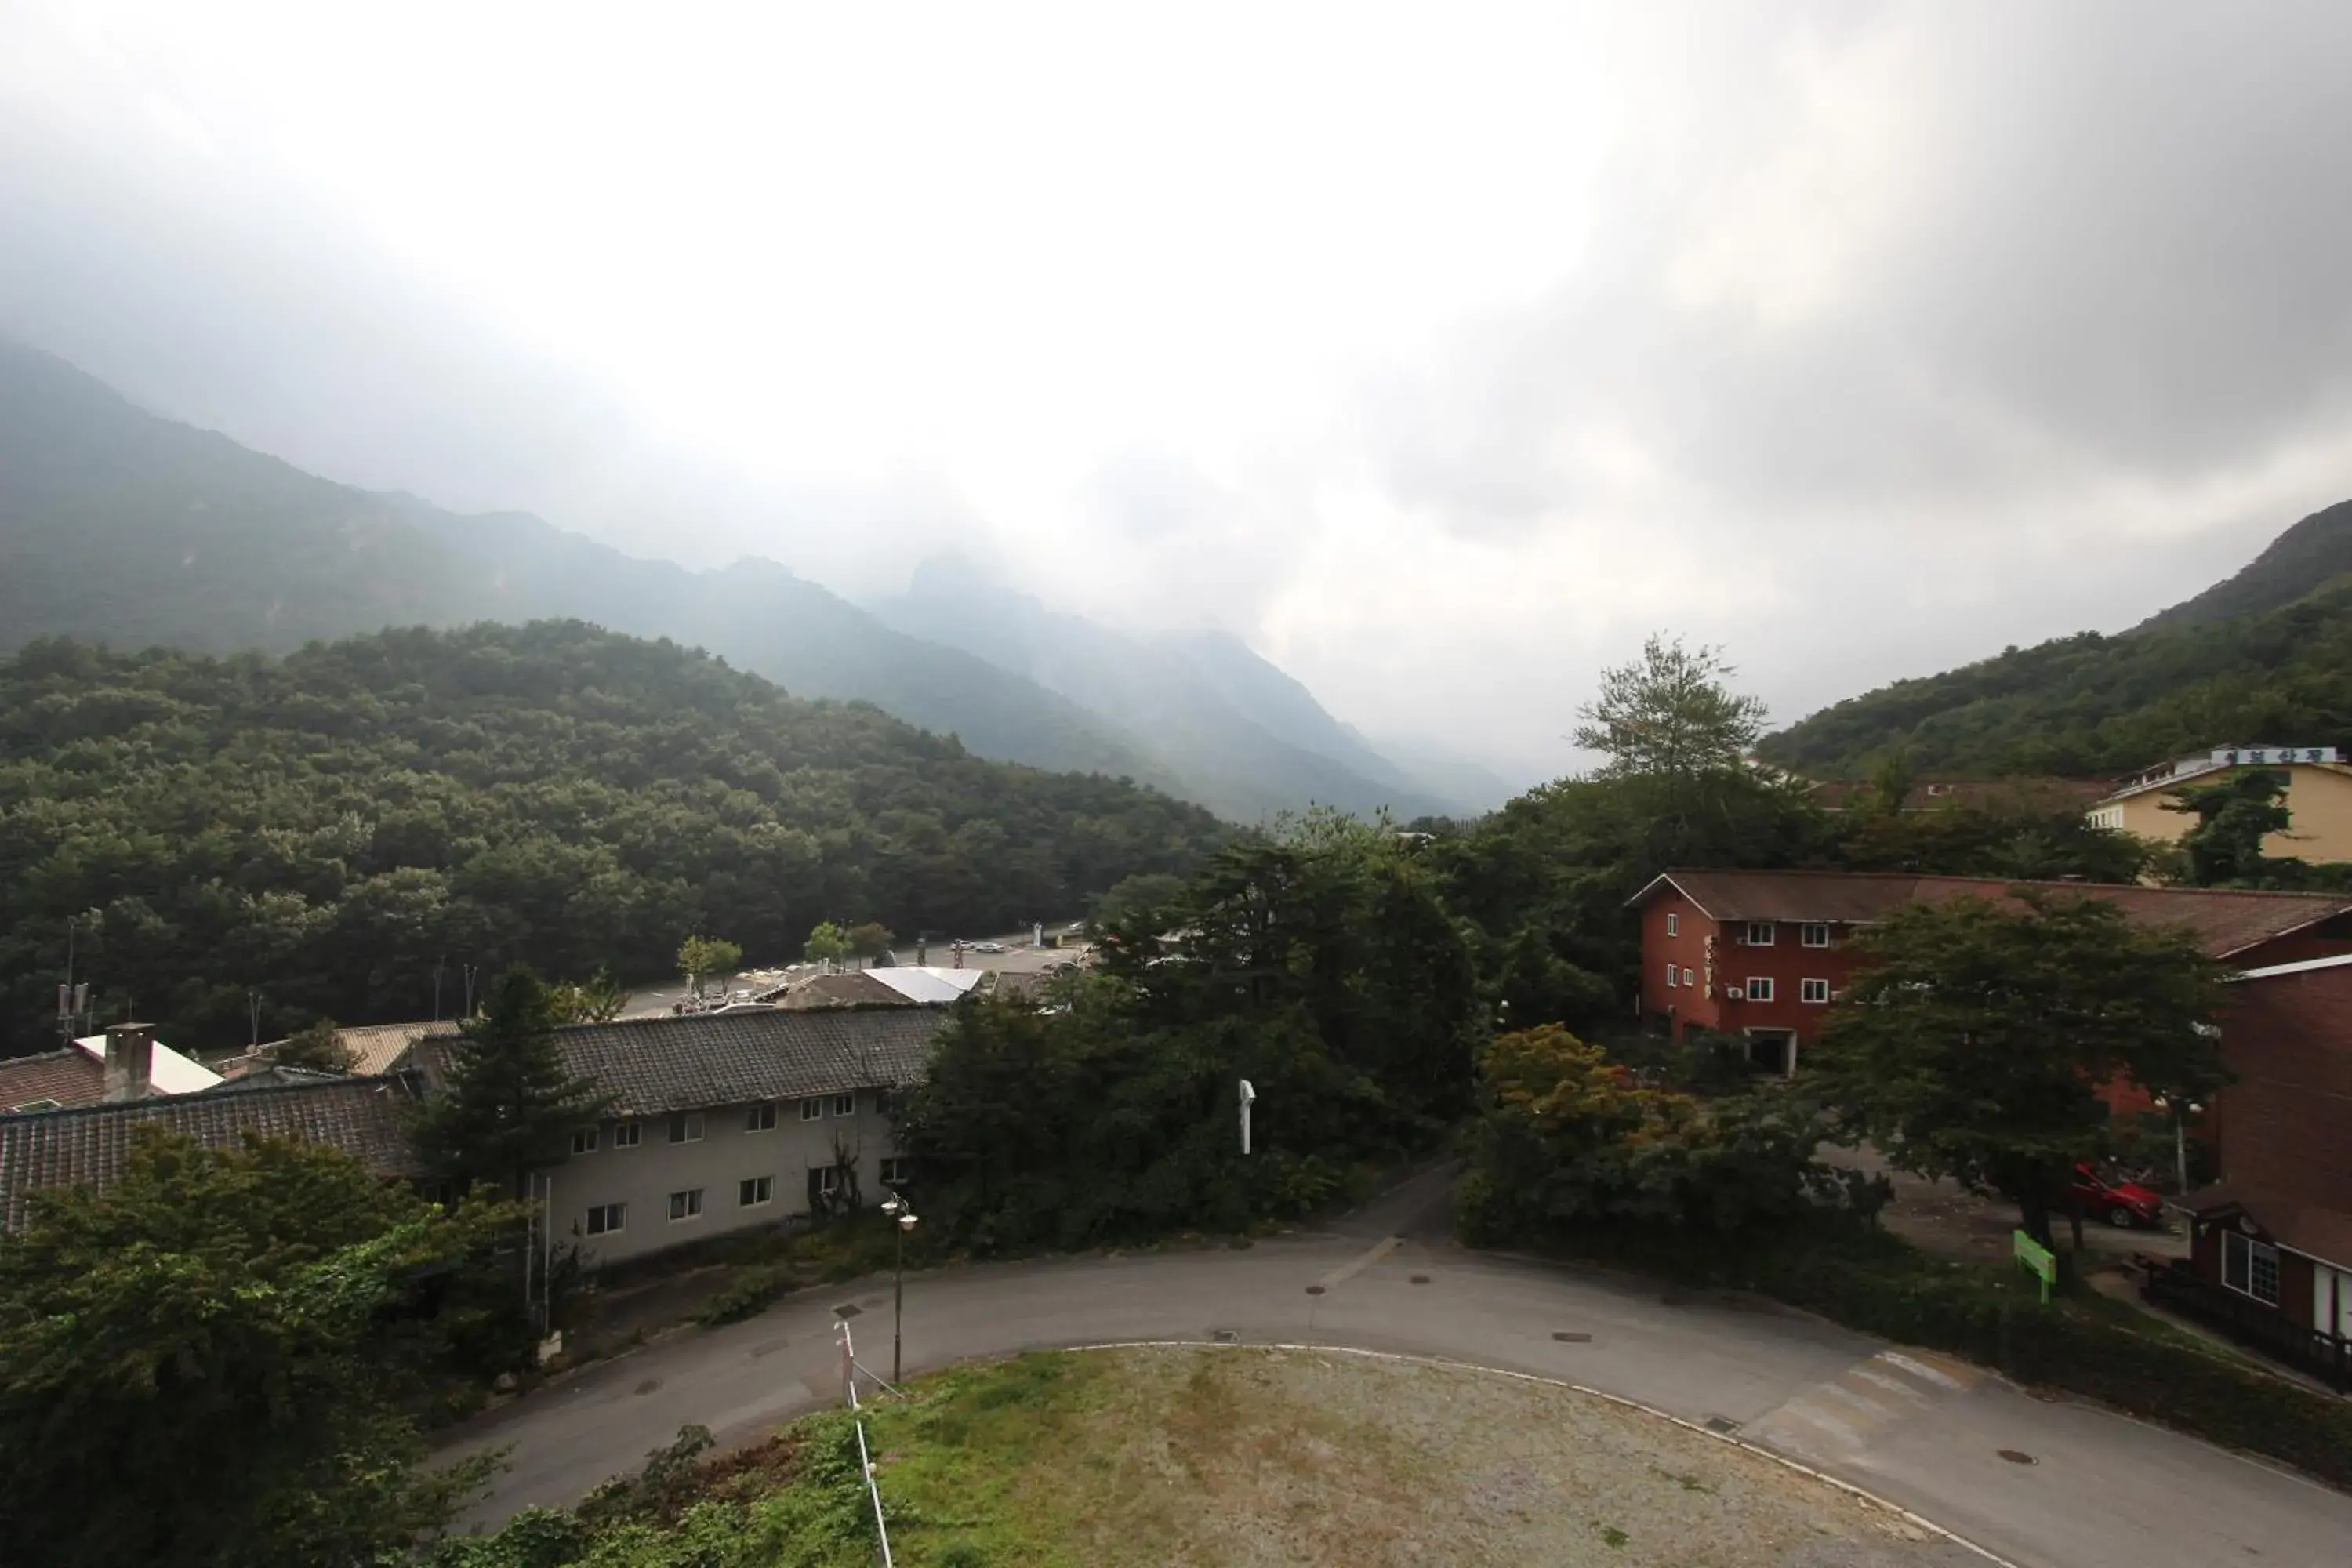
column 1324, row 1457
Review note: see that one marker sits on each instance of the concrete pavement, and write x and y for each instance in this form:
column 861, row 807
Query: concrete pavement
column 1916, row 1429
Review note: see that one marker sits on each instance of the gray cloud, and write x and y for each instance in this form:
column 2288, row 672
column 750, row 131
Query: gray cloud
column 1892, row 335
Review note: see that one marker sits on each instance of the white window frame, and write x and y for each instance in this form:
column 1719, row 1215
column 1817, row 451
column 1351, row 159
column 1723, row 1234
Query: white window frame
column 1747, row 937
column 584, row 1140
column 812, row 1109
column 1689, row 978
column 1671, row 973
column 686, row 1127
column 828, row 1181
column 607, row 1219
column 894, row 1170
column 1674, row 924
column 846, row 1104
column 686, row 1205
column 2254, row 1251
column 761, row 1118
column 1758, row 988
column 1813, row 990
column 762, row 1188
column 628, row 1134
column 1807, row 931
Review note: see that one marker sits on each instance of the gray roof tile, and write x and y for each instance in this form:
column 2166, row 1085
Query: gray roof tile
column 662, row 1064
column 84, row 1146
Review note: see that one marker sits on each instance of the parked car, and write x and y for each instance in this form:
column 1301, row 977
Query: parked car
column 988, row 947
column 2125, row 1204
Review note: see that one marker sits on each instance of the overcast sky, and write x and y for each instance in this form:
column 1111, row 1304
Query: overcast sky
column 1440, row 352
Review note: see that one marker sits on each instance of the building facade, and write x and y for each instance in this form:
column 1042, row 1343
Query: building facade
column 1763, row 955
column 2318, row 796
column 726, row 1121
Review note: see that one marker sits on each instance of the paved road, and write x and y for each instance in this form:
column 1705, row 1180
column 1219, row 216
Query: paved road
column 1916, row 1429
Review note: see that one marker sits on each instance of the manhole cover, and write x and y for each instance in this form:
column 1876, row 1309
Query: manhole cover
column 1722, row 1423
column 649, row 1385
column 1421, row 1279
column 1566, row 1337
column 846, row 1309
column 1223, row 1336
column 2015, row 1456
column 769, row 1347
column 1314, row 1290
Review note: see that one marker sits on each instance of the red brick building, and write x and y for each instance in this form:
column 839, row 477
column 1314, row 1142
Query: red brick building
column 2275, row 1232
column 1763, row 953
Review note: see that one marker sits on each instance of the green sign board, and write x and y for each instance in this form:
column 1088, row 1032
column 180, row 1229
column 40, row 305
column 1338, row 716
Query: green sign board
column 2037, row 1258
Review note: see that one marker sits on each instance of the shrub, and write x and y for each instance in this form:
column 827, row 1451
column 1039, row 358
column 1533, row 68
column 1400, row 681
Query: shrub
column 747, row 1294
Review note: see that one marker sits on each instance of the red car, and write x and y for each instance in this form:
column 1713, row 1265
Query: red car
column 2126, row 1206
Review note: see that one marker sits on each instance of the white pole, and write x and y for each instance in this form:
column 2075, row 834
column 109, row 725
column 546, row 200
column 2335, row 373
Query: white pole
column 1248, row 1094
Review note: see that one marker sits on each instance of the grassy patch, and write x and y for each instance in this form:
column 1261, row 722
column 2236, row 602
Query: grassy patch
column 1119, row 1460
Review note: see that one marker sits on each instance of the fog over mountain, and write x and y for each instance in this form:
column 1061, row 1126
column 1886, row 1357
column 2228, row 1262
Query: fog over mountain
column 1436, row 358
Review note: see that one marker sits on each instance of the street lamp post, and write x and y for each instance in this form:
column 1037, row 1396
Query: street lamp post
column 902, row 1214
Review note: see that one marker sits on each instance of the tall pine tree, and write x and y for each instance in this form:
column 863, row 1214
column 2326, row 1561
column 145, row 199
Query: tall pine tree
column 508, row 1106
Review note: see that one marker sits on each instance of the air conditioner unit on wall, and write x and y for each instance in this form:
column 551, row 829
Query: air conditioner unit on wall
column 1735, row 992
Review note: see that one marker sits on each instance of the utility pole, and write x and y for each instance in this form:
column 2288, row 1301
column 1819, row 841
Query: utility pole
column 471, row 970
column 1248, row 1096
column 439, row 964
column 253, row 1016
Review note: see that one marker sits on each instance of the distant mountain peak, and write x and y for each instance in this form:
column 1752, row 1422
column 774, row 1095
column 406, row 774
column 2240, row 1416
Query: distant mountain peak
column 2305, row 559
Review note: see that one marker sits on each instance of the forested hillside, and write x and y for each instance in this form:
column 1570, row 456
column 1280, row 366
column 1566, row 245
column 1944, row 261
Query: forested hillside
column 325, row 828
column 121, row 528
column 2089, row 705
column 2305, row 559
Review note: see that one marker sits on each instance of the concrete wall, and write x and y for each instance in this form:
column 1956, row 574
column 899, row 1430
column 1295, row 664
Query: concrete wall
column 644, row 1177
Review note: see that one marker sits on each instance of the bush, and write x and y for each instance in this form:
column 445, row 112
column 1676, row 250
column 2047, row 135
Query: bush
column 747, row 1294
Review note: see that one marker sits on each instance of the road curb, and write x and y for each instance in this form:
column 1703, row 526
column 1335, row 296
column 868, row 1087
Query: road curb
column 1758, row 1449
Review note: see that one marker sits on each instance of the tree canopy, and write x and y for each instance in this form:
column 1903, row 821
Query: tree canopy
column 216, row 1362
column 1974, row 1041
column 508, row 1106
column 330, row 827
column 1671, row 712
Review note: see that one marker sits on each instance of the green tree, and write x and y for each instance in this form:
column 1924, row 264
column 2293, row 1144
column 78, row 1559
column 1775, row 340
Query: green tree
column 508, row 1105
column 215, row 1361
column 1891, row 778
column 1133, row 895
column 870, row 941
column 318, row 1047
column 827, row 943
column 700, row 957
column 1974, row 1042
column 1669, row 713
column 2233, row 818
column 598, row 999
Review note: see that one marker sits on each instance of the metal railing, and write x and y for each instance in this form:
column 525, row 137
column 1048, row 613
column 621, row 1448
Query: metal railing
column 850, row 1369
column 2255, row 1324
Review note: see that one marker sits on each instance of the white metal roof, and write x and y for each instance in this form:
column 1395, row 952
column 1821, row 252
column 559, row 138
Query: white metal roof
column 927, row 984
column 168, row 1073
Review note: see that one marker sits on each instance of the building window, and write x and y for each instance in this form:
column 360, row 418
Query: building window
column 894, row 1172
column 627, row 1134
column 881, row 1102
column 1812, row 990
column 686, row 1204
column 759, row 1118
column 584, row 1141
column 605, row 1219
column 1760, row 989
column 686, row 1127
column 810, row 1110
column 1814, row 934
column 753, row 1190
column 844, row 1104
column 828, row 1180
column 1673, row 925
column 1670, row 977
column 1759, row 934
column 1687, row 977
column 2250, row 1268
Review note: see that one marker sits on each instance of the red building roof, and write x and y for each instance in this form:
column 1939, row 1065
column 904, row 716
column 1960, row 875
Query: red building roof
column 2226, row 920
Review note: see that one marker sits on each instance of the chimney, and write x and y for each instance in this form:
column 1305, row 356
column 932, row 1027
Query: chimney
column 129, row 1061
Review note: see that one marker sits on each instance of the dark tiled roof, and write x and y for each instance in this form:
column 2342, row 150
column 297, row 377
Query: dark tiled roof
column 2322, row 1233
column 2226, row 920
column 69, row 1076
column 375, row 1048
column 859, row 987
column 656, row 1064
column 84, row 1147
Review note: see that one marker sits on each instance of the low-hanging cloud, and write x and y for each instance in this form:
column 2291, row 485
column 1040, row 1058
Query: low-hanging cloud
column 1442, row 359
